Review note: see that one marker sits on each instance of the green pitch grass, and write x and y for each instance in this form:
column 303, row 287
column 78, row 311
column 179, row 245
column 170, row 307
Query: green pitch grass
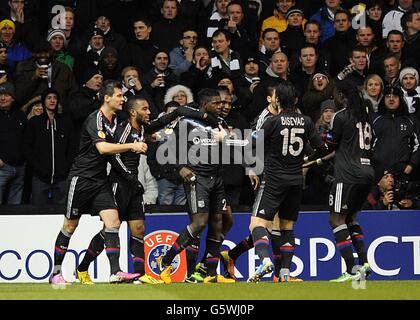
column 314, row 290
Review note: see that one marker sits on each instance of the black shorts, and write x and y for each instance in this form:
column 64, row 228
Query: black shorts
column 87, row 196
column 347, row 198
column 129, row 201
column 206, row 195
column 282, row 199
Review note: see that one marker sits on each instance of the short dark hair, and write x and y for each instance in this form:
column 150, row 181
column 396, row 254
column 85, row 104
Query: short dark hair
column 407, row 17
column 269, row 30
column 358, row 48
column 206, row 95
column 312, row 22
column 108, row 89
column 132, row 102
column 218, row 32
column 395, row 32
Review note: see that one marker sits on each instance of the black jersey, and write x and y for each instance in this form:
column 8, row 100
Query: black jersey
column 286, row 135
column 89, row 163
column 352, row 140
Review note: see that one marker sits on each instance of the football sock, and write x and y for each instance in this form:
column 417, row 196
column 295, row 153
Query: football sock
column 344, row 245
column 183, row 240
column 192, row 255
column 60, row 249
column 358, row 238
column 137, row 254
column 212, row 256
column 276, row 243
column 261, row 242
column 287, row 248
column 95, row 248
column 241, row 247
column 112, row 248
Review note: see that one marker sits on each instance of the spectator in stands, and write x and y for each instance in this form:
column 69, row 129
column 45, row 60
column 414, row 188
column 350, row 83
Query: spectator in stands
column 340, row 44
column 141, row 50
column 409, row 79
column 325, row 17
column 180, row 94
column 394, row 45
column 270, row 45
column 366, row 38
column 217, row 20
column 373, row 89
column 27, row 25
column 278, row 20
column 158, row 80
column 249, row 82
column 148, row 182
column 395, row 136
column 48, row 151
column 109, row 64
column 171, row 189
column 16, row 50
column 41, row 71
column 200, row 74
column 168, row 29
column 56, row 38
column 33, row 107
column 12, row 161
column 302, row 74
column 392, row 20
column 292, row 39
column 320, row 89
column 84, row 101
column 73, row 43
column 182, row 56
column 242, row 40
column 5, row 71
column 223, row 59
column 312, row 33
column 410, row 22
column 374, row 17
column 111, row 37
column 392, row 66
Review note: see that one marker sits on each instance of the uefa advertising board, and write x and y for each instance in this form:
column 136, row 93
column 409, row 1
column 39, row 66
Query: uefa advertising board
column 392, row 238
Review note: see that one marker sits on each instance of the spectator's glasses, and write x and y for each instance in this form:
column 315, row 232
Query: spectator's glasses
column 319, row 78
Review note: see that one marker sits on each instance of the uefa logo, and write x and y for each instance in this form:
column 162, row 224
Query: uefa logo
column 159, row 243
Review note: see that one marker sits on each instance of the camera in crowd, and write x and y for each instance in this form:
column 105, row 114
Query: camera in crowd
column 406, row 190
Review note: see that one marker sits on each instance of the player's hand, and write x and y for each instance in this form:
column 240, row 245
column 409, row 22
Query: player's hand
column 139, row 147
column 255, row 180
column 211, row 119
column 388, row 197
column 219, row 134
column 187, row 175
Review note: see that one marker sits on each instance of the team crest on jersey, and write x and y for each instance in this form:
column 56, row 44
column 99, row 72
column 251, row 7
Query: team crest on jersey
column 158, row 243
column 101, row 134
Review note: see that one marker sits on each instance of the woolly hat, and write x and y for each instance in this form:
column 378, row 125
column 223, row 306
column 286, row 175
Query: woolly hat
column 293, row 10
column 172, row 91
column 95, row 32
column 327, row 104
column 89, row 73
column 7, row 22
column 409, row 70
column 7, row 88
column 320, row 74
column 55, row 32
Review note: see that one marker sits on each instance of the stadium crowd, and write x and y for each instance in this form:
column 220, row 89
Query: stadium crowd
column 55, row 56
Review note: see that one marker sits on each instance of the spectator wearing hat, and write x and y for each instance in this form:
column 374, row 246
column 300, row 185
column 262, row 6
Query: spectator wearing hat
column 27, row 30
column 41, row 71
column 382, row 195
column 321, row 87
column 292, row 39
column 91, row 57
column 12, row 161
column 16, row 50
column 109, row 64
column 4, row 68
column 48, row 151
column 409, row 80
column 182, row 56
column 270, row 45
column 247, row 84
column 278, row 20
column 33, row 107
column 395, row 136
column 111, row 37
column 56, row 38
column 84, row 101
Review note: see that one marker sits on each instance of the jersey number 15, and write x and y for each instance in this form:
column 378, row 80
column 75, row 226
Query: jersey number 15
column 290, row 138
